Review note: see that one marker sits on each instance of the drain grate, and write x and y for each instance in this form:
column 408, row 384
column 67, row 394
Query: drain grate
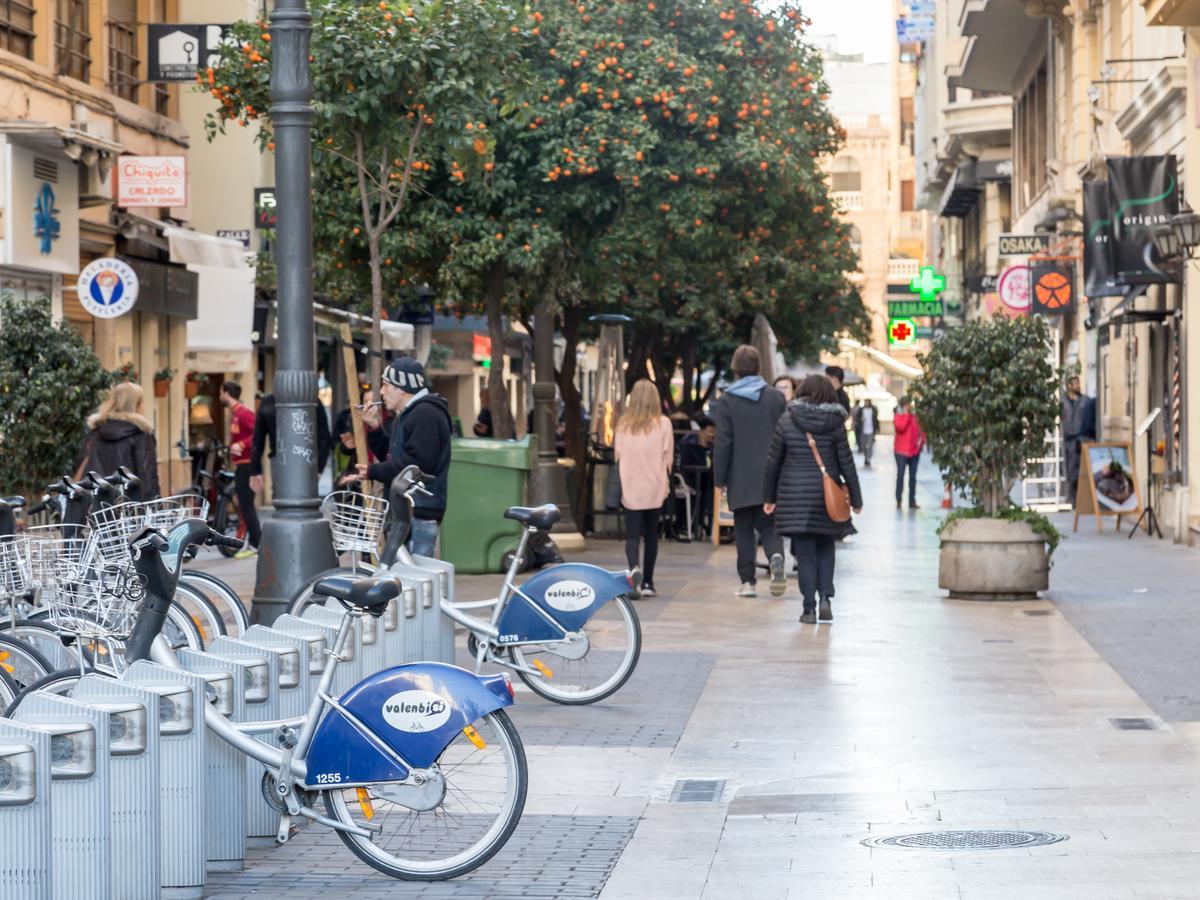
column 967, row 840
column 1134, row 724
column 997, row 641
column 1036, row 612
column 694, row 790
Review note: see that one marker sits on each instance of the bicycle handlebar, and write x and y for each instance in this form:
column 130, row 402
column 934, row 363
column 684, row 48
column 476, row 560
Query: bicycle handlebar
column 216, row 539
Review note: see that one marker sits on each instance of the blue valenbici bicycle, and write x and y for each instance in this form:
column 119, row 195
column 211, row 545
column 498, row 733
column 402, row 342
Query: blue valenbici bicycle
column 418, row 767
column 570, row 632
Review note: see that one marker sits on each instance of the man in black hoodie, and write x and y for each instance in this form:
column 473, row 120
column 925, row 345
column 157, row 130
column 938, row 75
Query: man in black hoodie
column 421, row 437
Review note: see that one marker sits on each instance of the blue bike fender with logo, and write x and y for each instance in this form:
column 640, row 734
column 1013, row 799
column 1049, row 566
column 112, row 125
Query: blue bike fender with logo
column 569, row 594
column 416, row 710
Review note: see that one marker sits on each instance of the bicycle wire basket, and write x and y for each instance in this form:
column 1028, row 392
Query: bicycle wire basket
column 356, row 520
column 48, row 548
column 114, row 526
column 14, row 566
column 167, row 512
column 94, row 598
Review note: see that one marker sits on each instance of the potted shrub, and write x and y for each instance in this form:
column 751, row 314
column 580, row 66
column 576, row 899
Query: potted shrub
column 162, row 382
column 192, row 384
column 987, row 400
column 126, row 373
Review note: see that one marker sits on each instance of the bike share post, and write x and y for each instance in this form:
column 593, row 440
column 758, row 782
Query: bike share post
column 81, row 812
column 26, row 830
column 296, row 542
column 225, row 808
column 134, row 774
column 182, row 783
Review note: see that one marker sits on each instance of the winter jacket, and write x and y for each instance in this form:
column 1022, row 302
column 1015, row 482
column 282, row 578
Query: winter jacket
column 420, row 437
column 745, row 415
column 909, row 436
column 793, row 481
column 122, row 440
column 644, row 461
column 264, row 435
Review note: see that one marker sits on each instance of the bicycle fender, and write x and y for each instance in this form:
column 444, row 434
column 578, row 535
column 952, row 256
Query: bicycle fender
column 569, row 593
column 414, row 709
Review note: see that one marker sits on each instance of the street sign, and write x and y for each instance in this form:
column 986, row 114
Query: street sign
column 1024, row 244
column 903, row 309
column 241, row 235
column 179, row 52
column 265, row 214
column 1013, row 288
column 902, row 332
column 1053, row 287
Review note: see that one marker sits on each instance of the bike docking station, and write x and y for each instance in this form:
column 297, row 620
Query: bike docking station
column 224, row 821
column 349, row 671
column 429, row 608
column 26, row 830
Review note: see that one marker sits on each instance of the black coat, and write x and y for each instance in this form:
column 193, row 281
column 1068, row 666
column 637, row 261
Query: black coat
column 264, row 436
column 120, row 442
column 793, row 480
column 420, row 436
column 744, row 427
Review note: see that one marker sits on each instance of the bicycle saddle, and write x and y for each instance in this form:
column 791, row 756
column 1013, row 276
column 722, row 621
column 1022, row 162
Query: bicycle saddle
column 542, row 517
column 369, row 594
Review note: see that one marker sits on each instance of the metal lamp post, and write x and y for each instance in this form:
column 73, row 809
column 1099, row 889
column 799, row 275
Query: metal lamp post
column 296, row 543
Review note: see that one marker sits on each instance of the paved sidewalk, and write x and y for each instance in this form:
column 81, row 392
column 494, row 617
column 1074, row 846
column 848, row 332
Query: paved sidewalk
column 911, row 713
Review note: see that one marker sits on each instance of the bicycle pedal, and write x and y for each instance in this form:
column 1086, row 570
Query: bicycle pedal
column 286, row 830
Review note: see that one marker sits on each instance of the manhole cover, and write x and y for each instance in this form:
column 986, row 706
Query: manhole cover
column 1134, row 724
column 694, row 790
column 1036, row 612
column 967, row 840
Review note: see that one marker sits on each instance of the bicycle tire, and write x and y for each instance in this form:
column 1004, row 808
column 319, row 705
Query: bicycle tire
column 540, row 686
column 186, row 635
column 22, row 663
column 45, row 639
column 303, row 597
column 202, row 611
column 227, row 601
column 8, row 689
column 496, row 837
column 57, row 682
column 228, row 521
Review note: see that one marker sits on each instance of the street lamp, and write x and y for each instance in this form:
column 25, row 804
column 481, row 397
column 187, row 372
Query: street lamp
column 1187, row 227
column 296, row 543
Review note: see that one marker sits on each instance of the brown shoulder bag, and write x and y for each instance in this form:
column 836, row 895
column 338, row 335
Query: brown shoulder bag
column 837, row 495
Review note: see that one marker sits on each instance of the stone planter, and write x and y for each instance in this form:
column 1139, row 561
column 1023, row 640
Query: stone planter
column 993, row 559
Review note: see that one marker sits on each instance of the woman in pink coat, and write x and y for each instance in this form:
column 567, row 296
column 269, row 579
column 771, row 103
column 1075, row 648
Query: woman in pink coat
column 645, row 450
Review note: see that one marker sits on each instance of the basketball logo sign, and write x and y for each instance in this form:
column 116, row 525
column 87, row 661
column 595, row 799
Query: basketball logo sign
column 1053, row 288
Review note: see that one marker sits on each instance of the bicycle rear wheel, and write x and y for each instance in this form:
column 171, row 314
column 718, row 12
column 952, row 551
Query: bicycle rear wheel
column 204, row 615
column 59, row 682
column 575, row 675
column 486, row 780
column 20, row 662
column 228, row 521
column 8, row 689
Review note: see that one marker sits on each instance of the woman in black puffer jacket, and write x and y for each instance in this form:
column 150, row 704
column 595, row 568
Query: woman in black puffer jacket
column 795, row 492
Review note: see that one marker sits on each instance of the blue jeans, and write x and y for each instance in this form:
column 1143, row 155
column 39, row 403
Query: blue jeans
column 423, row 538
column 906, row 462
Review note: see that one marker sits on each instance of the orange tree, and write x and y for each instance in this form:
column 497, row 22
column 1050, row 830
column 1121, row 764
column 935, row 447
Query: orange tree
column 394, row 85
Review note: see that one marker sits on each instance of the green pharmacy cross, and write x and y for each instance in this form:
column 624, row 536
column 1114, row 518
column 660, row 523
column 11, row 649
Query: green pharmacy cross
column 928, row 284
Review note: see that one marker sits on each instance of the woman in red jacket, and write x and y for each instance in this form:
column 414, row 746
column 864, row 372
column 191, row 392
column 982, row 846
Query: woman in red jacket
column 909, row 441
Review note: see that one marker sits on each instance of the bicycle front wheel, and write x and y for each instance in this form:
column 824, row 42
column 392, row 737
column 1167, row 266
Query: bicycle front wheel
column 486, row 780
column 223, row 597
column 580, row 672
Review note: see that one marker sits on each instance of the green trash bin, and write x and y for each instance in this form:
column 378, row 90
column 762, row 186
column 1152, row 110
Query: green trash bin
column 486, row 478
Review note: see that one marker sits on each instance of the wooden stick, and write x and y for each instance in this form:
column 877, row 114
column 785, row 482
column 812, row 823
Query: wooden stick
column 351, row 368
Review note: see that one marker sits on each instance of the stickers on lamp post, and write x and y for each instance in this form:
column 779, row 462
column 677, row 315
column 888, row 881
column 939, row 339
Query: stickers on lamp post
column 107, row 288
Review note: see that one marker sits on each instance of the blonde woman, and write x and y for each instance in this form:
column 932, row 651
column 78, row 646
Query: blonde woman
column 119, row 435
column 645, row 449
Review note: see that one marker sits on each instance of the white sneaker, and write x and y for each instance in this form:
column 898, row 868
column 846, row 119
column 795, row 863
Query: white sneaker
column 778, row 581
column 746, row 590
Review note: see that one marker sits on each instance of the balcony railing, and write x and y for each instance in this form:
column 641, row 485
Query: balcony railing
column 906, row 269
column 848, row 201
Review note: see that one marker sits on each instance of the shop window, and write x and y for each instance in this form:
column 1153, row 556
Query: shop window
column 846, row 174
column 123, row 61
column 16, row 28
column 72, row 39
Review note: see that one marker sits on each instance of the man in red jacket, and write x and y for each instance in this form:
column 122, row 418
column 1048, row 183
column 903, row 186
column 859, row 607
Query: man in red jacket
column 241, row 434
column 909, row 441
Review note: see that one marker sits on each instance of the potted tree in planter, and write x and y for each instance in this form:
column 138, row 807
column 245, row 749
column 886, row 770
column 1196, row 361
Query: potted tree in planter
column 162, row 382
column 192, row 384
column 987, row 400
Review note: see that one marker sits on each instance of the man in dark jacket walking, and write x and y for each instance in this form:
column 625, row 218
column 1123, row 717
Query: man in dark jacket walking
column 421, row 437
column 745, row 417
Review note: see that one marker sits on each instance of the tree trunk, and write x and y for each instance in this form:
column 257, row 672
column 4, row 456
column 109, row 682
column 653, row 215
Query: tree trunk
column 502, row 418
column 636, row 363
column 375, row 361
column 687, row 369
column 574, row 437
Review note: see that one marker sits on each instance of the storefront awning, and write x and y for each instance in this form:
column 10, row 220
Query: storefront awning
column 198, row 249
column 892, row 365
column 396, row 335
column 962, row 193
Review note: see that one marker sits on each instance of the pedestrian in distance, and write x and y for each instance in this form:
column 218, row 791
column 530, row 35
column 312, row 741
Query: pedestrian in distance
column 1079, row 427
column 264, row 440
column 120, row 435
column 786, row 385
column 746, row 415
column 483, row 422
column 420, row 436
column 866, row 426
column 241, row 442
column 910, row 440
column 645, row 450
column 810, row 437
column 837, row 377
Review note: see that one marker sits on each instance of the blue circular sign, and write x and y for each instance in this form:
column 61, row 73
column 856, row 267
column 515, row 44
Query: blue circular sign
column 107, row 288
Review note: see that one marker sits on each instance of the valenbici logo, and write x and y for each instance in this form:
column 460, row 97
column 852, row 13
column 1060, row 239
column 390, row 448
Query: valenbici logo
column 570, row 596
column 416, row 711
